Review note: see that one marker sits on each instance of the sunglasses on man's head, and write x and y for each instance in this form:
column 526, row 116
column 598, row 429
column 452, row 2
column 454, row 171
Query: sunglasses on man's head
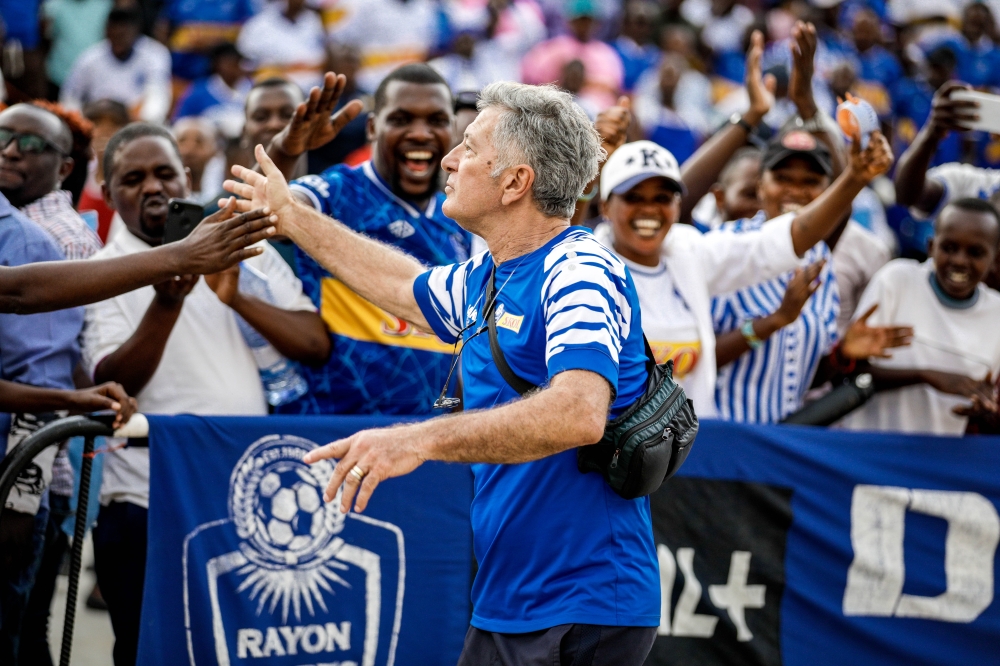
column 27, row 143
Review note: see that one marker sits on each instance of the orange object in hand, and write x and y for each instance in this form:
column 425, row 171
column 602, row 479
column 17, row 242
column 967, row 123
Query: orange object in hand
column 857, row 119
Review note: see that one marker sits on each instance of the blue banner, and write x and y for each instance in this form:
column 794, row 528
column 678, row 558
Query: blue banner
column 793, row 545
column 247, row 565
column 777, row 545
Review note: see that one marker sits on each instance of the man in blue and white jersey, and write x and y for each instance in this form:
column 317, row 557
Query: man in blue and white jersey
column 568, row 319
column 380, row 364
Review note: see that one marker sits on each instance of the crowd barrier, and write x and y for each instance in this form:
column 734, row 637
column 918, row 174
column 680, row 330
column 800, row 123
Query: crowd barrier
column 776, row 545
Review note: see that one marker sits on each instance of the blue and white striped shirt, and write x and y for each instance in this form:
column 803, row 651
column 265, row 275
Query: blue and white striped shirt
column 767, row 384
column 570, row 305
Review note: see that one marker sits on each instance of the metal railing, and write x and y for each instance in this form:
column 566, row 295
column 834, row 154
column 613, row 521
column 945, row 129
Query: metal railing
column 53, row 434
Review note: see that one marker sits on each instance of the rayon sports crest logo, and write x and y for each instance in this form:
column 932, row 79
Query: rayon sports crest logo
column 295, row 589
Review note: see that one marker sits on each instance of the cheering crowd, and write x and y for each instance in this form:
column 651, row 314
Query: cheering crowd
column 775, row 261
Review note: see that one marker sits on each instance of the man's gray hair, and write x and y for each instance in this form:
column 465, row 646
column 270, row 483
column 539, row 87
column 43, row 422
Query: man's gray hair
column 543, row 127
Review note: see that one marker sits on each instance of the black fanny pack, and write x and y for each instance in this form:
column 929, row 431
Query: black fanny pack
column 642, row 447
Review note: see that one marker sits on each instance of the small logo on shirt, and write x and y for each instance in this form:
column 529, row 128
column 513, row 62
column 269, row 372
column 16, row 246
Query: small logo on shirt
column 507, row 320
column 401, row 229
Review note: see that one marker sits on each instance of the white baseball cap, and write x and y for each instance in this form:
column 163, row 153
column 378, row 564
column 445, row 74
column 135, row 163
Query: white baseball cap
column 635, row 162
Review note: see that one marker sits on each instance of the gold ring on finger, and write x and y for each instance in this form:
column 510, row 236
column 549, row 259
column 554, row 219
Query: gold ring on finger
column 357, row 472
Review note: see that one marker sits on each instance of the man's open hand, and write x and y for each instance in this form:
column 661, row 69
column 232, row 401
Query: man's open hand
column 800, row 80
column 760, row 88
column 377, row 454
column 863, row 341
column 314, row 123
column 268, row 189
column 223, row 239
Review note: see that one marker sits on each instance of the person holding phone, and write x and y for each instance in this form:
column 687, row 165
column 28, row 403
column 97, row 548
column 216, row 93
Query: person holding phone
column 928, row 190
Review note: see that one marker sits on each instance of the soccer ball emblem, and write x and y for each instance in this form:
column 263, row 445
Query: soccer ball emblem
column 288, row 512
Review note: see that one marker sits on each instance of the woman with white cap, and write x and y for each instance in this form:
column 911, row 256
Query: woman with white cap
column 677, row 270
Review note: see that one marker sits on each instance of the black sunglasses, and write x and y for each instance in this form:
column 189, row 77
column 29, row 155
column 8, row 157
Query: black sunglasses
column 466, row 99
column 28, row 143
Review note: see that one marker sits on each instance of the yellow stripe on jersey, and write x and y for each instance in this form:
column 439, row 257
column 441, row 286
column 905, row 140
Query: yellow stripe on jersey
column 685, row 355
column 345, row 313
column 201, row 35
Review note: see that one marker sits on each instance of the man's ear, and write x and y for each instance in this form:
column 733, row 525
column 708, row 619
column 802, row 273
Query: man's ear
column 930, row 246
column 106, row 195
column 370, row 128
column 517, row 183
column 66, row 168
column 187, row 179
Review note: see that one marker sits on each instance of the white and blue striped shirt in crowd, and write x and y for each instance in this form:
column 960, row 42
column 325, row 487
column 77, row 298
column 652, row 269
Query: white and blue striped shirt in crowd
column 767, row 384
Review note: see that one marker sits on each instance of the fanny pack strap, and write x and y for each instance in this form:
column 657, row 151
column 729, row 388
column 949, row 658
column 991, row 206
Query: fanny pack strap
column 517, row 382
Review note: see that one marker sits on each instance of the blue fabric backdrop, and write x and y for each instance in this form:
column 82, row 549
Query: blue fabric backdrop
column 777, row 545
column 245, row 567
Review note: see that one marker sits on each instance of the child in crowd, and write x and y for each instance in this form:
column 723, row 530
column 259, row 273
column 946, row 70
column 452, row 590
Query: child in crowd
column 955, row 353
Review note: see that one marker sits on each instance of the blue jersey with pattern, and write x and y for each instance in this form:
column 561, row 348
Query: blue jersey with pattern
column 767, row 384
column 379, row 364
column 569, row 305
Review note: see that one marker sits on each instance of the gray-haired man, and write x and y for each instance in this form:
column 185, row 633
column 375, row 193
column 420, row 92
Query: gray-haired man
column 567, row 568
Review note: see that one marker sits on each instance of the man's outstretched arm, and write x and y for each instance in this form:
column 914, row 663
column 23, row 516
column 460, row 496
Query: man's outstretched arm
column 220, row 241
column 571, row 412
column 379, row 273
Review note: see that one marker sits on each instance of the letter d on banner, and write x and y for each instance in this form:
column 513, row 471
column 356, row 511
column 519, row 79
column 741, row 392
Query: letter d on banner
column 875, row 578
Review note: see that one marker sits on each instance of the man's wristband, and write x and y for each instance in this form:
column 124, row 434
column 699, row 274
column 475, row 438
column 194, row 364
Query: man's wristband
column 737, row 119
column 750, row 335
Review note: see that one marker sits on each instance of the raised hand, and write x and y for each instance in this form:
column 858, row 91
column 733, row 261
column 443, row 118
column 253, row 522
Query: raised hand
column 760, row 88
column 377, row 455
column 873, row 161
column 800, row 80
column 109, row 395
column 223, row 239
column 612, row 124
column 268, row 189
column 863, row 341
column 802, row 285
column 951, row 115
column 314, row 123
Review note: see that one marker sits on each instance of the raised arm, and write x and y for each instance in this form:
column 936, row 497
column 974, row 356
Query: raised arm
column 947, row 115
column 377, row 272
column 700, row 171
column 571, row 412
column 220, row 241
column 817, row 220
column 314, row 124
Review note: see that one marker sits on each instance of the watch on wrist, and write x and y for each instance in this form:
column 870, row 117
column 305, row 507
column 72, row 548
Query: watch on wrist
column 737, row 119
column 750, row 335
column 815, row 124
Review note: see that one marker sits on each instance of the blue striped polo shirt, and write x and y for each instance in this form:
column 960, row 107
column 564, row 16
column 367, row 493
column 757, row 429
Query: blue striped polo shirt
column 554, row 546
column 767, row 384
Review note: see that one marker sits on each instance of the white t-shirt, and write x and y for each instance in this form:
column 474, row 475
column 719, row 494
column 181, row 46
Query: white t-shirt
column 207, row 367
column 279, row 47
column 963, row 341
column 856, row 258
column 667, row 320
column 961, row 181
column 142, row 82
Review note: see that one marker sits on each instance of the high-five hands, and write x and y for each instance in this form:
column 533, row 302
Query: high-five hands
column 314, row 123
column 267, row 189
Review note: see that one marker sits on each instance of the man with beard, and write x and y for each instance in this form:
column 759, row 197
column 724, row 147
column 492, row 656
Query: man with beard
column 380, row 364
column 178, row 348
